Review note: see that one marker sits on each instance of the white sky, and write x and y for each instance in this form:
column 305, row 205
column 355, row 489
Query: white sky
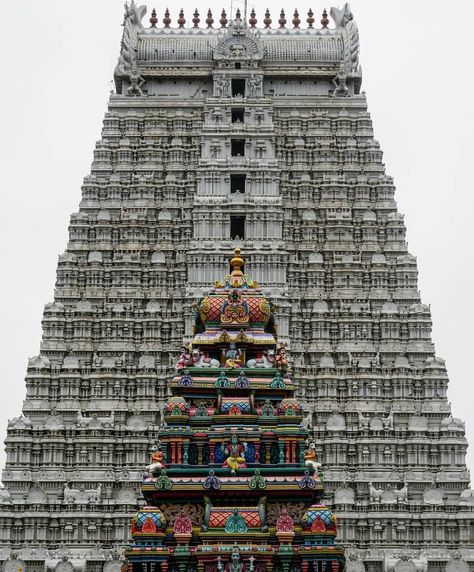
column 58, row 61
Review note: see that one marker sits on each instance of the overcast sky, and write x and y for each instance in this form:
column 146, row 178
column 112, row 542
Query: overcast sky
column 58, row 60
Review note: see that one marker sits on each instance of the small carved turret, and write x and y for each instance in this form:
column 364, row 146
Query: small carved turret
column 209, row 19
column 252, row 19
column 267, row 20
column 181, row 19
column 153, row 19
column 282, row 19
column 167, row 19
column 196, row 19
column 296, row 19
column 325, row 19
column 223, row 21
column 310, row 18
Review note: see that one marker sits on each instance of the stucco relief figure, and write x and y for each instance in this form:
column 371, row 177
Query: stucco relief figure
column 236, row 454
column 221, row 86
column 267, row 360
column 235, row 564
column 157, row 460
column 185, row 359
column 310, row 458
column 233, row 355
column 136, row 81
column 199, row 360
column 82, row 495
column 340, row 83
column 281, row 361
column 254, row 86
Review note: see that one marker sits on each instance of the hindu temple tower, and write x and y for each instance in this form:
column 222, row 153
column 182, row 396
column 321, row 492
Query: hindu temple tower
column 222, row 132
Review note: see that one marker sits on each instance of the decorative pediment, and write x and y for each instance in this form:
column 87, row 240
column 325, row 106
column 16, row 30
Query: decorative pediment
column 239, row 44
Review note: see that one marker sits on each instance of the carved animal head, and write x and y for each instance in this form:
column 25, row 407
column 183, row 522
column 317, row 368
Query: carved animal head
column 134, row 14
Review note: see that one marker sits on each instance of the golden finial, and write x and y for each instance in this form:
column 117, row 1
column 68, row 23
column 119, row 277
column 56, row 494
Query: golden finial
column 237, row 263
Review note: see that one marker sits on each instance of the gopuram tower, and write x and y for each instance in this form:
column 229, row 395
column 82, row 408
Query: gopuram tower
column 222, row 133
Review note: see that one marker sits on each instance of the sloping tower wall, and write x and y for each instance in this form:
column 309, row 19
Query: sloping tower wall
column 224, row 134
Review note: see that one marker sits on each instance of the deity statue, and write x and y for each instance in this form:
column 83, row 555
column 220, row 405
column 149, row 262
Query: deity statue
column 235, row 564
column 236, row 454
column 254, row 85
column 281, row 361
column 157, row 458
column 185, row 359
column 340, row 82
column 310, row 457
column 221, row 86
column 232, row 355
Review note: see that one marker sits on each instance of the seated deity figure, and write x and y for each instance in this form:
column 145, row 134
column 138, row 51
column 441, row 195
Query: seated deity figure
column 281, row 361
column 310, row 457
column 232, row 355
column 236, row 454
column 157, row 458
column 184, row 360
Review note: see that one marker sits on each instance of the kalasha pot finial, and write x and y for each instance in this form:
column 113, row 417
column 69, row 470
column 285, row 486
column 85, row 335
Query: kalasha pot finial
column 267, row 20
column 325, row 19
column 181, row 19
column 253, row 19
column 167, row 19
column 209, row 19
column 223, row 21
column 196, row 19
column 282, row 19
column 153, row 19
column 296, row 19
column 310, row 18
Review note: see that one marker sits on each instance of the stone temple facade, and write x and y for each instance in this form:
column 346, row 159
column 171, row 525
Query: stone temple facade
column 225, row 133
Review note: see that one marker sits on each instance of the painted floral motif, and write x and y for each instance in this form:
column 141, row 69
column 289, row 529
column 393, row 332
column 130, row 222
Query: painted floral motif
column 257, row 481
column 186, row 380
column 183, row 524
column 211, row 481
column 236, row 523
column 285, row 522
column 163, row 481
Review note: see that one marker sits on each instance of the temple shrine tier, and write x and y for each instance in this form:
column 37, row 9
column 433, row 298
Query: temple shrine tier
column 234, row 483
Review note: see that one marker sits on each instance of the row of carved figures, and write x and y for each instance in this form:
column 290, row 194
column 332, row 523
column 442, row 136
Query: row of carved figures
column 267, row 21
column 234, row 456
column 268, row 359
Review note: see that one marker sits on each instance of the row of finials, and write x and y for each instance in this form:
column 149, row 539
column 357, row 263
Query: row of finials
column 267, row 21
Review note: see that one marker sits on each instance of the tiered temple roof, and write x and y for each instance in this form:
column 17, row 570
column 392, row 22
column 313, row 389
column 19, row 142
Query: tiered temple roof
column 234, row 478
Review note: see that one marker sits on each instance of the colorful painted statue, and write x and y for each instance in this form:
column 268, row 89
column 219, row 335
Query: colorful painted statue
column 281, row 361
column 232, row 355
column 235, row 564
column 185, row 359
column 199, row 360
column 267, row 360
column 157, row 457
column 236, row 454
column 310, row 458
